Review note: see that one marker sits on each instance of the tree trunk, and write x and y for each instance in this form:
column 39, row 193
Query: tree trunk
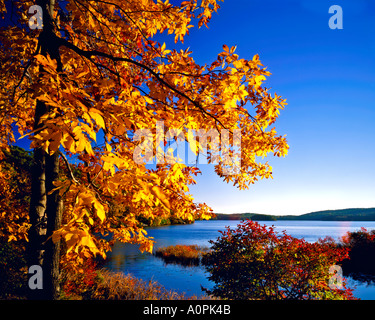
column 54, row 214
column 38, row 205
column 45, row 217
column 45, row 209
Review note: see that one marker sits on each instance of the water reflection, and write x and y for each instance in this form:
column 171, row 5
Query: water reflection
column 125, row 258
column 128, row 259
column 364, row 285
column 125, row 254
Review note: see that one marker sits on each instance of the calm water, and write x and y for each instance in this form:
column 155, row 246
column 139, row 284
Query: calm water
column 128, row 259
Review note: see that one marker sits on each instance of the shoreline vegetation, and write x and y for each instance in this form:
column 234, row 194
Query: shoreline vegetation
column 351, row 214
column 94, row 282
column 103, row 284
column 355, row 254
column 360, row 263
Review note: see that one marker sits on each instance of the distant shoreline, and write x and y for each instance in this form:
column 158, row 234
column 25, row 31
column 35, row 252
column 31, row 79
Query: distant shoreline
column 352, row 214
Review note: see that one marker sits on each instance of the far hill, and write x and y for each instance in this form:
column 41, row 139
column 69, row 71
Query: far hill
column 243, row 216
column 355, row 214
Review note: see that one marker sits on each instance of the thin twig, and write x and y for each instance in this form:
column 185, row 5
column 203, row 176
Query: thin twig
column 68, row 166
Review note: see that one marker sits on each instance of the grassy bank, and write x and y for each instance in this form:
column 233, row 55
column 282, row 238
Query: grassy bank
column 107, row 285
column 182, row 254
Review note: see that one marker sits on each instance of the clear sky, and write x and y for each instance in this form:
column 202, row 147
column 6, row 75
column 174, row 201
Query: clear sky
column 328, row 79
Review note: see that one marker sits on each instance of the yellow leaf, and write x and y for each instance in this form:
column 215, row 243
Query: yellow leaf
column 238, row 64
column 144, row 185
column 89, row 150
column 89, row 131
column 67, row 142
column 11, row 238
column 157, row 192
column 193, row 144
column 148, row 100
column 88, row 242
column 95, row 114
column 55, row 142
column 146, row 246
column 80, row 145
column 100, row 212
column 46, row 61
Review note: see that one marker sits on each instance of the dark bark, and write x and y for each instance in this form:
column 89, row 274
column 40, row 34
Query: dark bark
column 54, row 214
column 45, row 208
column 38, row 205
column 45, row 217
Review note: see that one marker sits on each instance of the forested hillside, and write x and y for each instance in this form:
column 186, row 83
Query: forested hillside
column 354, row 214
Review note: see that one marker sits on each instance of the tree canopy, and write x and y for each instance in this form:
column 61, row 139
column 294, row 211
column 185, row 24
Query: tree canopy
column 94, row 83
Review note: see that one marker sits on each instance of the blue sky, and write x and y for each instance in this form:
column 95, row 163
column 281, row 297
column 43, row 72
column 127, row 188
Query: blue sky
column 328, row 79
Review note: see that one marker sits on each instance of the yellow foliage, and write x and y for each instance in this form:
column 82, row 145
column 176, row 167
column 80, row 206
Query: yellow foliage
column 110, row 78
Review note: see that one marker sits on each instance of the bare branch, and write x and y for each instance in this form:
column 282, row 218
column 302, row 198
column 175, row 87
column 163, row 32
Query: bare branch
column 68, row 166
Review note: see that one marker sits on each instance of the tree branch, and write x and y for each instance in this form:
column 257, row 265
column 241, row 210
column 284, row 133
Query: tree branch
column 68, row 166
column 89, row 53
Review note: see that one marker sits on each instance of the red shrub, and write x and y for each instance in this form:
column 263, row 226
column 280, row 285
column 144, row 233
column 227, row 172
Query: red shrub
column 254, row 262
column 80, row 283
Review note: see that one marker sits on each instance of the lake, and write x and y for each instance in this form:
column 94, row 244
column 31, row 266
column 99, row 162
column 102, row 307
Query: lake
column 128, row 259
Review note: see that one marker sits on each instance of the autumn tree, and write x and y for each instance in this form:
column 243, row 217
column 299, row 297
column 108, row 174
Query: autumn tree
column 90, row 84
